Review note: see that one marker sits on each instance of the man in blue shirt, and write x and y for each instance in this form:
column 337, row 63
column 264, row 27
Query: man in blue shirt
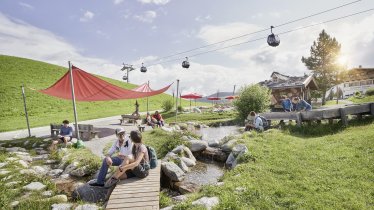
column 302, row 105
column 65, row 135
column 286, row 104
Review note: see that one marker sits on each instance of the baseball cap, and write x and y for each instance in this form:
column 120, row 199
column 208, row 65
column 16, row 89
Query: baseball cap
column 120, row 130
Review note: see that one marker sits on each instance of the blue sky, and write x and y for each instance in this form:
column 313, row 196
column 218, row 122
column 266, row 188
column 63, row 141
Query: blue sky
column 99, row 36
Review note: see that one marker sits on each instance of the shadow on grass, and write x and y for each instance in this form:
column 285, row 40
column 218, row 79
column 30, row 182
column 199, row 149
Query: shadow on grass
column 323, row 129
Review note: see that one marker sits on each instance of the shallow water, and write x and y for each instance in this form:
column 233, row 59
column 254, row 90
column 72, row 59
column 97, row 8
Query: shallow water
column 216, row 133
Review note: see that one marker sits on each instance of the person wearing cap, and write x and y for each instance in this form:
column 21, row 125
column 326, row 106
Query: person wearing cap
column 301, row 105
column 123, row 146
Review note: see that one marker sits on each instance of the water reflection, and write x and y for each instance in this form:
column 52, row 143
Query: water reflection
column 204, row 173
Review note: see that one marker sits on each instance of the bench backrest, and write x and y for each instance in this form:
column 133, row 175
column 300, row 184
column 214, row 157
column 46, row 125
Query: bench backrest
column 55, row 126
column 85, row 127
column 130, row 116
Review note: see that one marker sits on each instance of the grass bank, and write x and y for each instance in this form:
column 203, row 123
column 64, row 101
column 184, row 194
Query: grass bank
column 364, row 99
column 324, row 168
column 44, row 109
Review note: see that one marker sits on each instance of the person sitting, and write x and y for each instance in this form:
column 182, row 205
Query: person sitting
column 65, row 135
column 157, row 118
column 286, row 104
column 255, row 122
column 301, row 105
column 137, row 167
column 123, row 146
column 148, row 120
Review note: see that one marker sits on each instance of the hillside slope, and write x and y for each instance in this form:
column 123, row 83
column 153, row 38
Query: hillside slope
column 44, row 109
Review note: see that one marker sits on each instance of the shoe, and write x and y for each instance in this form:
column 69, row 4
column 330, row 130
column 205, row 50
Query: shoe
column 111, row 182
column 95, row 184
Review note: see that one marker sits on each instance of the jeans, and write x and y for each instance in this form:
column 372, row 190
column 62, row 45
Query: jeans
column 104, row 169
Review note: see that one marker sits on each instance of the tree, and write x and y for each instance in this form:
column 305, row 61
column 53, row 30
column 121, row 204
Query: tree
column 252, row 98
column 323, row 62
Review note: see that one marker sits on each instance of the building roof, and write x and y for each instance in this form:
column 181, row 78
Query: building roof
column 279, row 80
column 357, row 74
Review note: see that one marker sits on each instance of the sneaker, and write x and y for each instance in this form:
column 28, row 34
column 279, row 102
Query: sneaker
column 95, row 184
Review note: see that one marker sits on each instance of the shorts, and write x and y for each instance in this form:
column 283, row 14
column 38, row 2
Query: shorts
column 61, row 140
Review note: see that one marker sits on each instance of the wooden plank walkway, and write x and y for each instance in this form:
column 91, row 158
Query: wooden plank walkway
column 322, row 114
column 137, row 193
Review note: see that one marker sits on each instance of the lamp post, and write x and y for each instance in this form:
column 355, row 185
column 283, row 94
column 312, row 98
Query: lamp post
column 127, row 68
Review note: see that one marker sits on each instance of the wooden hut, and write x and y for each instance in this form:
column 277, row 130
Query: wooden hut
column 290, row 86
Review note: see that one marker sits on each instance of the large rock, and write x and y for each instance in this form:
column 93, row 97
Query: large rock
column 40, row 170
column 87, row 207
column 188, row 161
column 34, row 186
column 182, row 150
column 23, row 163
column 229, row 145
column 216, row 154
column 207, row 202
column 80, row 172
column 237, row 151
column 186, row 187
column 64, row 185
column 198, row 145
column 172, row 171
column 71, row 167
column 213, row 143
column 90, row 194
column 62, row 206
column 55, row 172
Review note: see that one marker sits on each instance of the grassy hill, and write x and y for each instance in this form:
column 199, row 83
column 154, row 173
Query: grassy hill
column 44, row 109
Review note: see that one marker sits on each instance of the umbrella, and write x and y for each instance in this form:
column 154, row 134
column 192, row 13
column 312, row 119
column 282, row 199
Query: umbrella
column 231, row 97
column 191, row 96
column 214, row 99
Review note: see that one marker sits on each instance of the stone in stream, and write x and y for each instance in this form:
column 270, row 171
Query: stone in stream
column 216, row 154
column 34, row 186
column 207, row 202
column 188, row 161
column 172, row 171
column 198, row 145
column 229, row 145
column 237, row 151
column 213, row 143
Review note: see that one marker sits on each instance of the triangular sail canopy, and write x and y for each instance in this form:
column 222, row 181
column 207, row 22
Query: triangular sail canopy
column 91, row 88
column 192, row 96
column 144, row 88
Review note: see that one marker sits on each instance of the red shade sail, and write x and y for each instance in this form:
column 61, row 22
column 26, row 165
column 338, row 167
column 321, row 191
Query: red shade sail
column 91, row 88
column 191, row 96
column 214, row 98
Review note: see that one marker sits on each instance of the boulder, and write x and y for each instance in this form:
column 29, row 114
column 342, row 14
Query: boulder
column 213, row 143
column 80, row 172
column 181, row 149
column 198, row 145
column 71, row 167
column 183, row 166
column 188, row 153
column 229, row 145
column 62, row 206
column 216, row 154
column 183, row 126
column 39, row 170
column 87, row 207
column 207, row 202
column 172, row 171
column 59, row 198
column 90, row 194
column 64, row 185
column 23, row 163
column 34, row 186
column 186, row 187
column 188, row 162
column 55, row 172
column 237, row 151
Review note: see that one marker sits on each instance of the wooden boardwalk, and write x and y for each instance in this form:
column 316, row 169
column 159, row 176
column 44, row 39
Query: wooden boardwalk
column 323, row 114
column 137, row 193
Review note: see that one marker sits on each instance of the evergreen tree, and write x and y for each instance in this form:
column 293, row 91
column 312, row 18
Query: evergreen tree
column 323, row 62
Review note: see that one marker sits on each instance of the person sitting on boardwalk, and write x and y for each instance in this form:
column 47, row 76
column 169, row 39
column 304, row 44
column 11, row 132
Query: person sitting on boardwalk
column 137, row 167
column 255, row 123
column 148, row 120
column 157, row 118
column 286, row 104
column 301, row 105
column 124, row 146
column 65, row 135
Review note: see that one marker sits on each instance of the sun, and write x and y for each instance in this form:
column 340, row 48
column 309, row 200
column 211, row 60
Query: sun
column 342, row 60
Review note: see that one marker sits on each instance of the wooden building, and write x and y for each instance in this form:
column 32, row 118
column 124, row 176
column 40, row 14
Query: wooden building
column 290, row 86
column 358, row 80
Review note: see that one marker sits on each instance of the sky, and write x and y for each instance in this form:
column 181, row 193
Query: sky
column 99, row 36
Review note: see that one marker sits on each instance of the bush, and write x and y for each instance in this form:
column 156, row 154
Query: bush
column 370, row 92
column 180, row 109
column 357, row 94
column 167, row 105
column 252, row 98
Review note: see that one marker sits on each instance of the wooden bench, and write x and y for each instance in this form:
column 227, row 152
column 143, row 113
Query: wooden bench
column 87, row 132
column 129, row 118
column 55, row 130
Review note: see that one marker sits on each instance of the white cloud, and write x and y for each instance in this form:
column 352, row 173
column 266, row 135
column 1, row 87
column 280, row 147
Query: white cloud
column 146, row 17
column 117, row 1
column 157, row 2
column 24, row 5
column 88, row 15
column 102, row 34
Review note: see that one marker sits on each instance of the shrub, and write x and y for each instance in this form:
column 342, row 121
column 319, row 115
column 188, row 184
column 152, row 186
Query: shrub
column 252, row 98
column 357, row 94
column 167, row 105
column 180, row 109
column 370, row 92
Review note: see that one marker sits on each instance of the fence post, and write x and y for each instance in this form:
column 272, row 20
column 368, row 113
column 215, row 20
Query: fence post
column 298, row 119
column 372, row 109
column 343, row 116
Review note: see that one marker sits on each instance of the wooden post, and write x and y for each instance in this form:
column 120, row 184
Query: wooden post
column 343, row 116
column 372, row 109
column 298, row 119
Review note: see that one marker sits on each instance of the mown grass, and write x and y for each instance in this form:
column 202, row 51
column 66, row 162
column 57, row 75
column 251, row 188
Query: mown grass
column 326, row 170
column 365, row 99
column 333, row 102
column 44, row 109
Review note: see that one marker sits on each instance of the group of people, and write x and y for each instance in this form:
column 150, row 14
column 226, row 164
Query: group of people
column 296, row 104
column 154, row 120
column 131, row 158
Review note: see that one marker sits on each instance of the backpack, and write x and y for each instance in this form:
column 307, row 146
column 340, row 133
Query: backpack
column 265, row 122
column 152, row 157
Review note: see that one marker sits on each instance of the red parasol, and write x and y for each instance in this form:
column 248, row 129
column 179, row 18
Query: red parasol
column 192, row 96
column 214, row 98
column 231, row 97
